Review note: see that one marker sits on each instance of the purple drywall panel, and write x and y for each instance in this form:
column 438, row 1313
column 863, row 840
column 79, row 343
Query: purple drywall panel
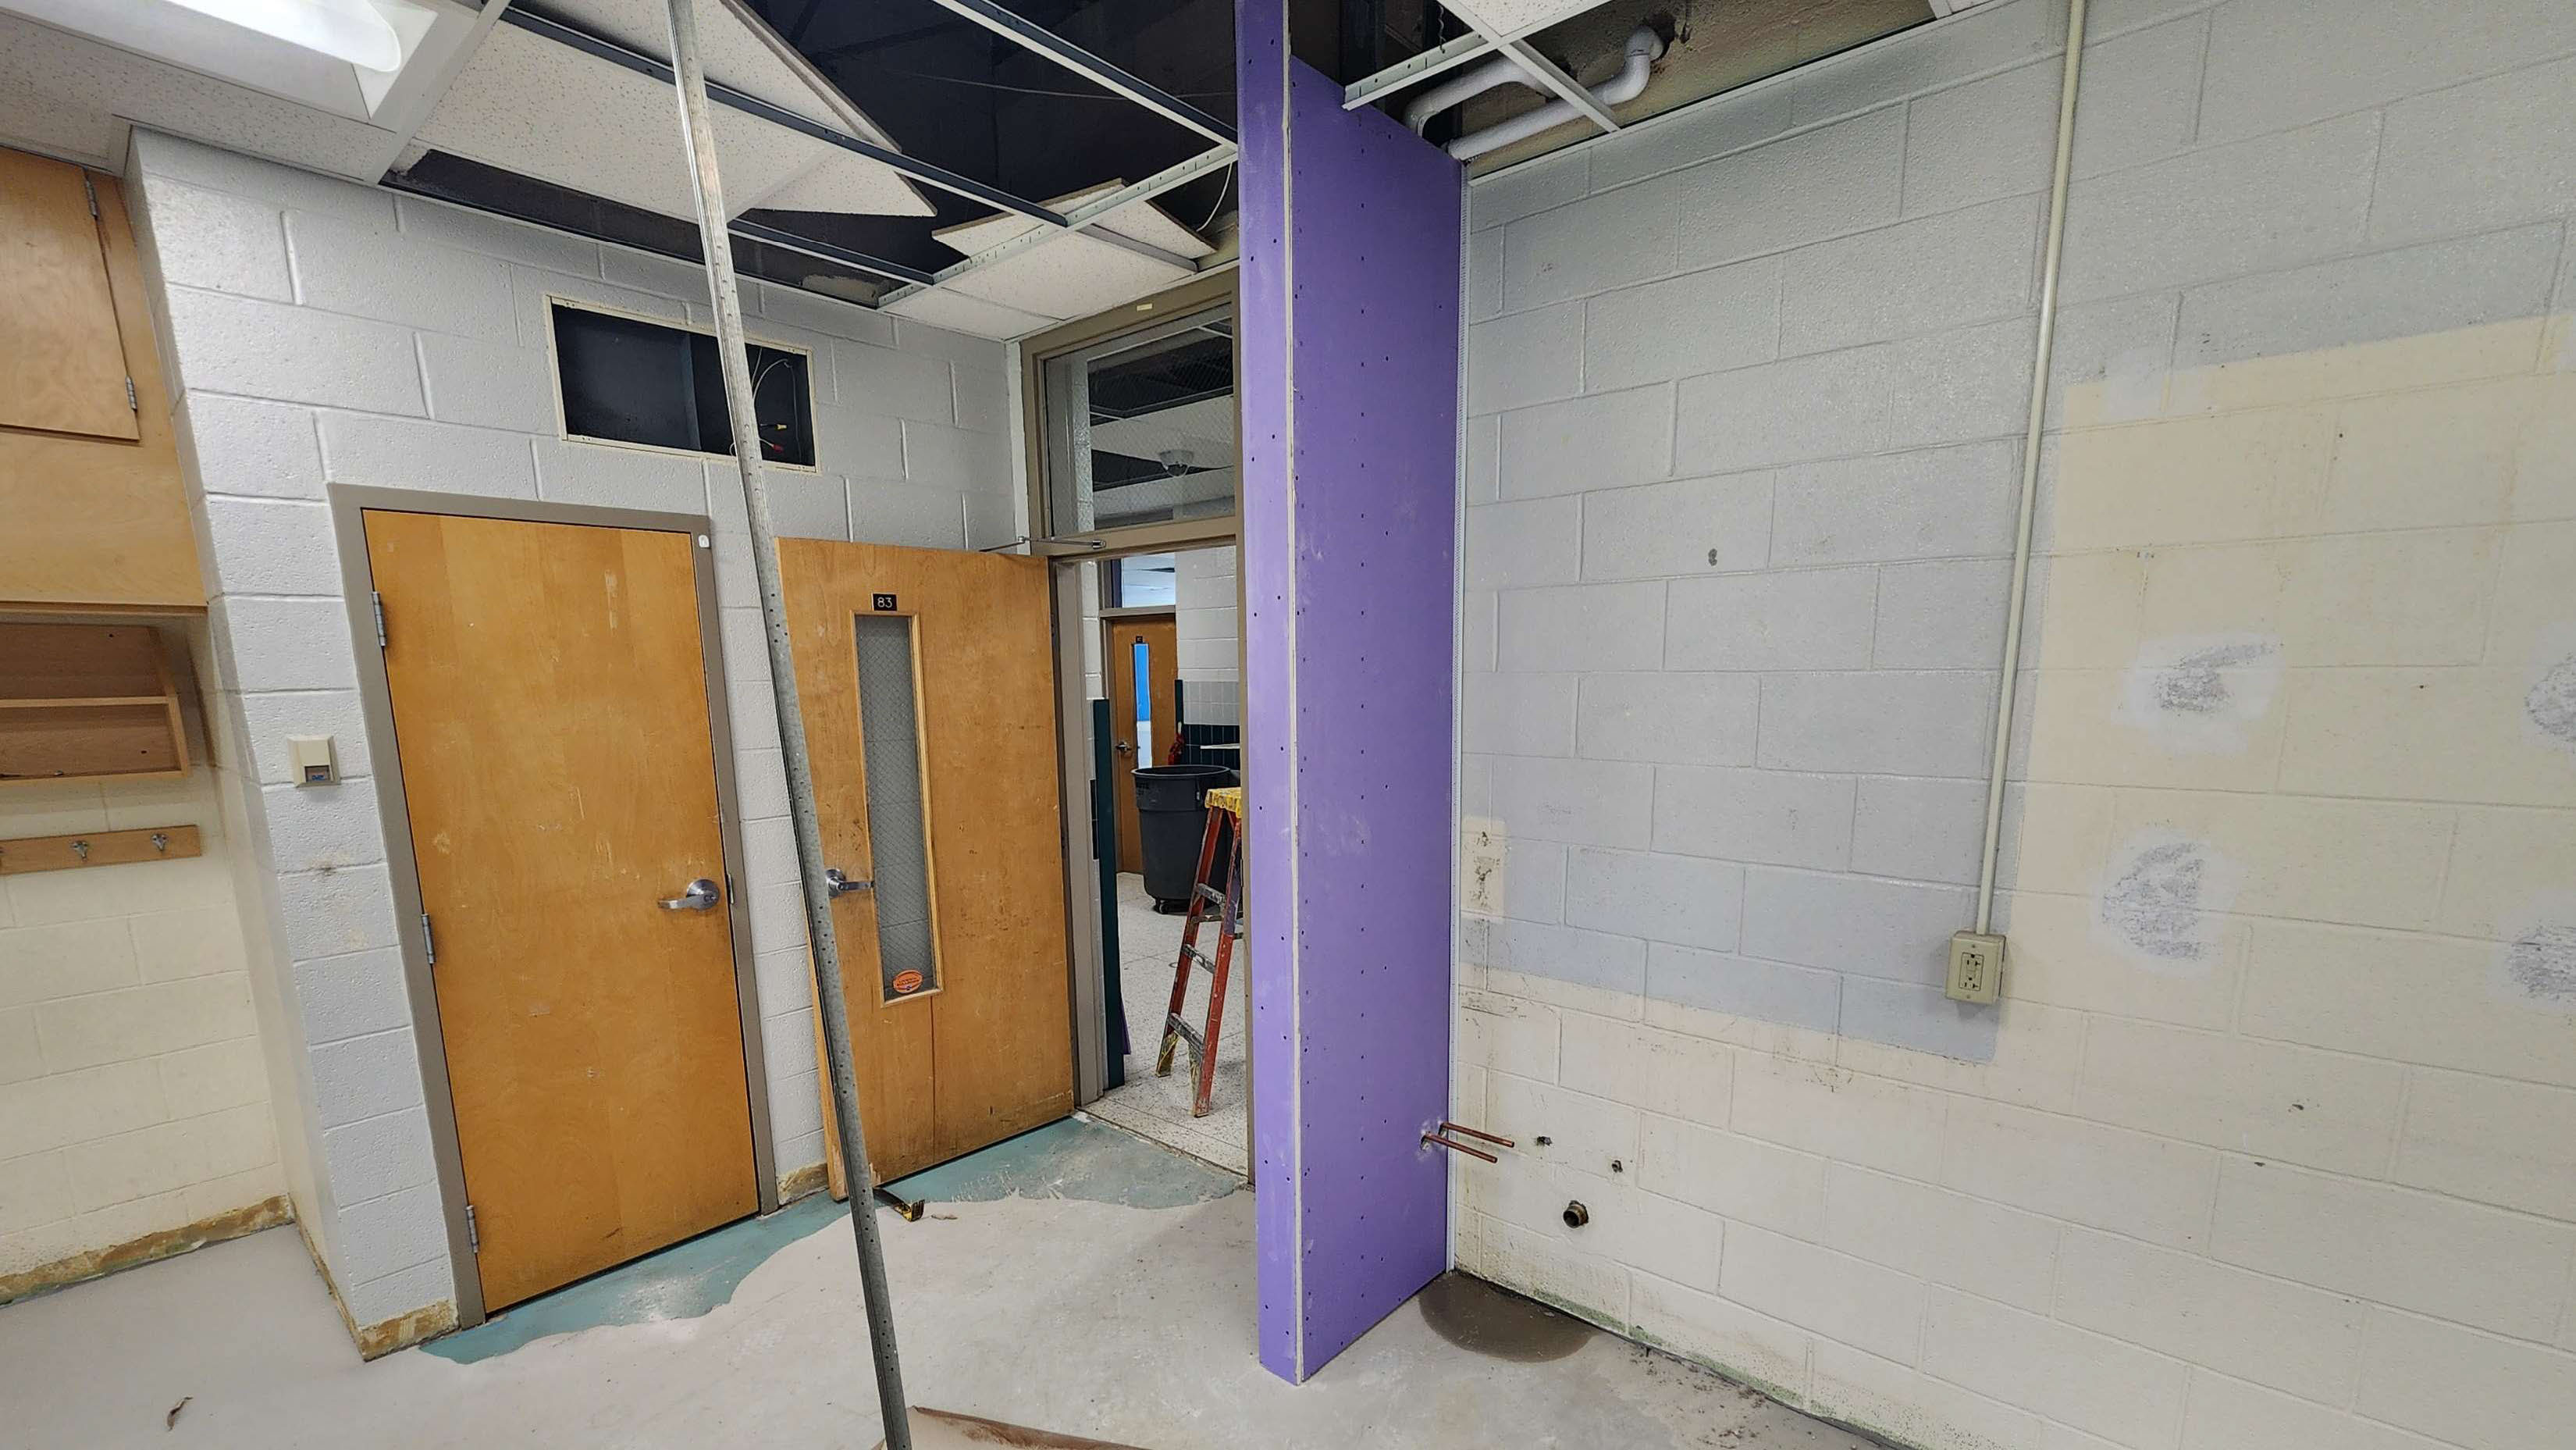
column 1349, row 380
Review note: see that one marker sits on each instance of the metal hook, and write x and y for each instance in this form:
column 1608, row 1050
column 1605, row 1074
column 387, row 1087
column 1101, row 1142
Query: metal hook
column 81, row 849
column 161, row 841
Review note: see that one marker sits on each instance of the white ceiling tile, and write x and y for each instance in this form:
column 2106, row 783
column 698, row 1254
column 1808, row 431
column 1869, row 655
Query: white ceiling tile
column 69, row 95
column 1518, row 17
column 529, row 105
column 959, row 313
column 1071, row 274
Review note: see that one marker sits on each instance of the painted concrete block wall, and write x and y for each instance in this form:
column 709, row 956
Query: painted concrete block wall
column 1210, row 639
column 2267, row 1147
column 325, row 332
column 133, row 1099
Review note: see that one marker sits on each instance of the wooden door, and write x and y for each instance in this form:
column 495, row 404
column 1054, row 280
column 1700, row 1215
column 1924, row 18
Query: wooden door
column 1130, row 646
column 550, row 708
column 974, row 1042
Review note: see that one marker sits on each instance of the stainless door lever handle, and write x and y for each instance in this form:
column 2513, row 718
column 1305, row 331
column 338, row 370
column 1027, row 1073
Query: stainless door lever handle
column 702, row 895
column 839, row 885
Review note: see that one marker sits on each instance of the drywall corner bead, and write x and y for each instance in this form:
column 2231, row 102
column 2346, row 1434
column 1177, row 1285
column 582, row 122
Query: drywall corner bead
column 2197, row 694
column 2162, row 900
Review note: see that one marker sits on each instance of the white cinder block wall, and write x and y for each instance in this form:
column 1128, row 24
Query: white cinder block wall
column 1208, row 641
column 2272, row 1143
column 327, row 332
column 133, row 1100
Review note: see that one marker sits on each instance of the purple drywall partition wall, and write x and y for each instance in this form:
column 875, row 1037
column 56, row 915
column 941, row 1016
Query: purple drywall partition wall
column 1349, row 382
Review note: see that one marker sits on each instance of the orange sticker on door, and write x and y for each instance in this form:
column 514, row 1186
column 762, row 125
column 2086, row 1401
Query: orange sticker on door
column 905, row 982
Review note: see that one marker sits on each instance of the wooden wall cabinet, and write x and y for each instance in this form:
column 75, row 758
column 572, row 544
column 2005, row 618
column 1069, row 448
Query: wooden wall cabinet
column 96, row 517
column 88, row 702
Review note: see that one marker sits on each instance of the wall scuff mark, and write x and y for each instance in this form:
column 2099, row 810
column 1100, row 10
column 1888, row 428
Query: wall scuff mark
column 1480, row 874
column 2162, row 899
column 2540, row 965
column 2552, row 702
column 2198, row 694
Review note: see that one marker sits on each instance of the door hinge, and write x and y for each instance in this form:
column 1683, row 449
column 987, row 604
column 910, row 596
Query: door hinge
column 379, row 601
column 428, row 941
column 132, row 403
column 90, row 189
column 473, row 1234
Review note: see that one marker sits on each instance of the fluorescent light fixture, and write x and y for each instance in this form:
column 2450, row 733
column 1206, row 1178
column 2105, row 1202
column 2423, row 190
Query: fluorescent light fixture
column 351, row 30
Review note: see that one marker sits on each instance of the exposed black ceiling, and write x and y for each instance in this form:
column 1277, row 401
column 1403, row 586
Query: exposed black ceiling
column 950, row 91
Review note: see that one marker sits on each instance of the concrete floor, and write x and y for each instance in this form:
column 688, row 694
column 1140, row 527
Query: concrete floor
column 1127, row 1324
column 1159, row 1107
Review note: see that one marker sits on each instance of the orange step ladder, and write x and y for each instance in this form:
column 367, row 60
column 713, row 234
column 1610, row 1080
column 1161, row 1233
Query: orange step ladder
column 1224, row 831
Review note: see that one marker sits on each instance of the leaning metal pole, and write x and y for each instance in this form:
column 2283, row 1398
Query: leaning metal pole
column 697, row 134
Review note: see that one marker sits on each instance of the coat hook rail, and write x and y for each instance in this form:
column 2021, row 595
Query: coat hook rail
column 97, row 848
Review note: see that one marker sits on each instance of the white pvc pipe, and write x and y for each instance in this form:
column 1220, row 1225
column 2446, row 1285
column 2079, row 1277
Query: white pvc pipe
column 2030, row 463
column 1474, row 83
column 1644, row 45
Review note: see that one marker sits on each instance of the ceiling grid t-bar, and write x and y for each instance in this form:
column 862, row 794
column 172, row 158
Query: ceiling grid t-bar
column 1082, row 218
column 1540, row 69
column 1029, row 35
column 1421, row 67
column 1484, row 39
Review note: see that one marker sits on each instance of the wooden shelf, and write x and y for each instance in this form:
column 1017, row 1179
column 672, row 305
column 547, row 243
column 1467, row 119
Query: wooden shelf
column 88, row 702
column 77, row 702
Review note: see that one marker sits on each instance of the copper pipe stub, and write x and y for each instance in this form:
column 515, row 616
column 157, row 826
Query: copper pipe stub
column 1441, row 1138
column 1457, row 1147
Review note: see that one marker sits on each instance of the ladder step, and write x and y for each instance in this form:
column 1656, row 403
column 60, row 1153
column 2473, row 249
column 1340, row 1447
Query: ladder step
column 1174, row 1026
column 1210, row 894
column 1206, row 963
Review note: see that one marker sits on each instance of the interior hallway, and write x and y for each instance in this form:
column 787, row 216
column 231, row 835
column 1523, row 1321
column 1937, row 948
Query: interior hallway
column 1159, row 1107
column 1128, row 1323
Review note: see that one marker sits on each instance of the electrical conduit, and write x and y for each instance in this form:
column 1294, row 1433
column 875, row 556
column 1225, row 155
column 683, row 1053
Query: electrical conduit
column 2030, row 465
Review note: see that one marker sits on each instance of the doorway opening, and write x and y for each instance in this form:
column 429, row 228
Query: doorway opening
column 1134, row 447
column 1170, row 678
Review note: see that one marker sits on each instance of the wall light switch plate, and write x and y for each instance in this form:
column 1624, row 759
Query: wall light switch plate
column 1976, row 967
column 313, row 760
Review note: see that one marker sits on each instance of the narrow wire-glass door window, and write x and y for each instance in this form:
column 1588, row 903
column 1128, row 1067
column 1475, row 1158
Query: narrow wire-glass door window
column 898, row 818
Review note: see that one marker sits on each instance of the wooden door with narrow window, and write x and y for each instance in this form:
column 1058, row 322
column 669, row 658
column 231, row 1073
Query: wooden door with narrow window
column 550, row 709
column 1141, row 723
column 927, row 678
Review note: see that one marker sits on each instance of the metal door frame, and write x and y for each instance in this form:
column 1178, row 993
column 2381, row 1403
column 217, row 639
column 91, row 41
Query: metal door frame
column 349, row 505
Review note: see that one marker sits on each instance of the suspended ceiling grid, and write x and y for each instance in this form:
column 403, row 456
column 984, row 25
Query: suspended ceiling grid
column 562, row 89
column 559, row 115
column 1714, row 46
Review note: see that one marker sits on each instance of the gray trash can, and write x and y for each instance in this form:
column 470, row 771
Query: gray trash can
column 1171, row 821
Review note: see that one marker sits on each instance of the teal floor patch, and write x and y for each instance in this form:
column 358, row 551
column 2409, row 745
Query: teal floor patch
column 1072, row 1158
column 680, row 1282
